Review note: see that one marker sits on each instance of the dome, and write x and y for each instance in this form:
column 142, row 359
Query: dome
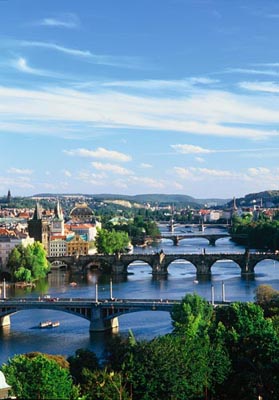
column 3, row 383
column 81, row 212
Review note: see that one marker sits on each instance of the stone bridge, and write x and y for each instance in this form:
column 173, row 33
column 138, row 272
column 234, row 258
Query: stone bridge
column 212, row 238
column 159, row 262
column 102, row 314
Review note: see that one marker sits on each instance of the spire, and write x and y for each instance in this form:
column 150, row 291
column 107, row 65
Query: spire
column 58, row 214
column 37, row 213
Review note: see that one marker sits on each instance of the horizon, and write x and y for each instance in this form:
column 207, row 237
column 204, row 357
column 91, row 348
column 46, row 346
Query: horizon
column 131, row 98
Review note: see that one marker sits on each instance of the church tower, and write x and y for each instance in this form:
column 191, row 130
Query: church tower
column 38, row 228
column 57, row 222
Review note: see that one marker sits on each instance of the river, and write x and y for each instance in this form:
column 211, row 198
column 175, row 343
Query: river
column 23, row 335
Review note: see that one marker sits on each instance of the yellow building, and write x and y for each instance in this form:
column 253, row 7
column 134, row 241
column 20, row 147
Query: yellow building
column 76, row 246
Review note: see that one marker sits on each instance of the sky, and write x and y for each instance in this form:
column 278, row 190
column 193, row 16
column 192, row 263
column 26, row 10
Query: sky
column 142, row 96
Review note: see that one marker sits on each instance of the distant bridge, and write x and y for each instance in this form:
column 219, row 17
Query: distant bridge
column 212, row 238
column 159, row 262
column 103, row 314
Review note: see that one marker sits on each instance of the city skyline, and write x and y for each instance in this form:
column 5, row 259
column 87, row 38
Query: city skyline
column 169, row 96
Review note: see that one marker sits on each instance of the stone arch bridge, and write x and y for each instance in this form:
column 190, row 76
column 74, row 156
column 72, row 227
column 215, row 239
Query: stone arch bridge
column 212, row 238
column 159, row 262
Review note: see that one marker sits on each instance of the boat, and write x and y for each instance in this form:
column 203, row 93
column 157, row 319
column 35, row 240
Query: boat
column 49, row 324
column 45, row 324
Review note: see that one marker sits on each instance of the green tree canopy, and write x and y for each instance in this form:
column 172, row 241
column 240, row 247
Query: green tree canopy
column 111, row 242
column 38, row 377
column 28, row 263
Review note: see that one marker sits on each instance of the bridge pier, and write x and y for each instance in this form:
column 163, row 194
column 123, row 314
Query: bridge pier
column 5, row 321
column 212, row 241
column 203, row 269
column 99, row 324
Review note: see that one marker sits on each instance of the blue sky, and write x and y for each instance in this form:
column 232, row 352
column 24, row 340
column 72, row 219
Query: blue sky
column 142, row 96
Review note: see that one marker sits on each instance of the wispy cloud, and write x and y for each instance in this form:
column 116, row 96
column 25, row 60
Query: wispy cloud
column 190, row 149
column 19, row 171
column 102, row 59
column 252, row 71
column 100, row 152
column 269, row 87
column 210, row 112
column 69, row 21
column 145, row 165
column 21, row 65
column 113, row 168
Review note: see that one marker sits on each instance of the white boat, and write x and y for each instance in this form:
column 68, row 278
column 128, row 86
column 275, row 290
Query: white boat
column 49, row 324
column 45, row 324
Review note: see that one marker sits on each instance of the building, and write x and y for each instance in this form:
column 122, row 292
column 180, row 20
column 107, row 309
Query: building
column 8, row 243
column 57, row 222
column 57, row 246
column 4, row 387
column 76, row 246
column 81, row 213
column 38, row 228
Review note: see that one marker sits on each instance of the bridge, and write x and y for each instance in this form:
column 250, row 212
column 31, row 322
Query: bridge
column 159, row 262
column 212, row 238
column 102, row 314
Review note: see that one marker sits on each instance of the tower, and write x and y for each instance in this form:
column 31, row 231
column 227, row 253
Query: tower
column 9, row 197
column 38, row 228
column 57, row 222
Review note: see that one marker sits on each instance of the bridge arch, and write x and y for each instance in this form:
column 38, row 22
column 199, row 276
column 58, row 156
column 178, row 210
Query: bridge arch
column 269, row 265
column 138, row 267
column 181, row 266
column 225, row 268
column 58, row 264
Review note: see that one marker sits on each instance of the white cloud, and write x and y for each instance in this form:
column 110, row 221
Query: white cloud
column 259, row 171
column 270, row 87
column 100, row 152
column 113, row 168
column 190, row 149
column 21, row 65
column 145, row 165
column 102, row 59
column 19, row 171
column 200, row 159
column 192, row 173
column 67, row 173
column 208, row 113
column 66, row 21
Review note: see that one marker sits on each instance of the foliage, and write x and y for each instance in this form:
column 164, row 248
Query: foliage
column 261, row 234
column 103, row 385
column 111, row 242
column 38, row 377
column 192, row 314
column 253, row 346
column 28, row 263
column 82, row 359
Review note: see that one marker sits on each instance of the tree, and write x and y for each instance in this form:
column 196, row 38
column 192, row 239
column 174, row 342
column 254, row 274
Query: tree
column 38, row 377
column 111, row 242
column 253, row 346
column 28, row 263
column 103, row 385
column 82, row 359
column 192, row 314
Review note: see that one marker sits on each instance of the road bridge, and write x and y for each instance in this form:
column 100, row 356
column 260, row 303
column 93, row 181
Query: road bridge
column 160, row 262
column 102, row 314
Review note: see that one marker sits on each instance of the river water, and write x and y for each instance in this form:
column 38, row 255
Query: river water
column 23, row 335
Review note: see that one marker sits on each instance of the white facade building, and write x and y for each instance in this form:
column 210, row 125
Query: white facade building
column 7, row 243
